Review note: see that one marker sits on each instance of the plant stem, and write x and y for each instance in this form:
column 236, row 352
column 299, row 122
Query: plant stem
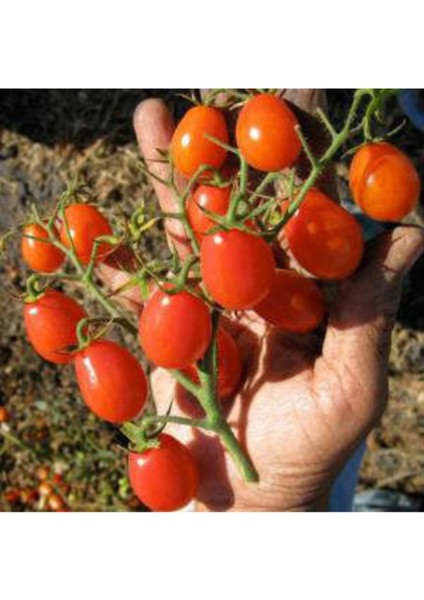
column 318, row 165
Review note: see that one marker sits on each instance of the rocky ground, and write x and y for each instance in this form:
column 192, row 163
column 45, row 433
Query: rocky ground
column 48, row 137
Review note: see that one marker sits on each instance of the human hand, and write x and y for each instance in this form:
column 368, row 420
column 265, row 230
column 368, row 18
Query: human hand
column 307, row 400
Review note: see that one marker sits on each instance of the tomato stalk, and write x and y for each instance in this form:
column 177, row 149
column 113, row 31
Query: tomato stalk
column 85, row 275
column 318, row 165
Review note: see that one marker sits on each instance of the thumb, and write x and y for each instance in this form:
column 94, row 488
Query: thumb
column 360, row 325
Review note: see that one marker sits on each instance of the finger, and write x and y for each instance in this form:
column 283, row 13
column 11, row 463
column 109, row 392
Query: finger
column 357, row 343
column 154, row 128
column 116, row 272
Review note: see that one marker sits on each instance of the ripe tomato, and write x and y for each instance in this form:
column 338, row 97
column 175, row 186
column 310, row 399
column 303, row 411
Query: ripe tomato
column 190, row 148
column 213, row 199
column 237, row 268
column 229, row 365
column 294, row 303
column 4, row 415
column 324, row 238
column 384, row 182
column 40, row 256
column 51, row 323
column 164, row 478
column 56, row 502
column 111, row 380
column 85, row 224
column 175, row 330
column 229, row 375
column 265, row 133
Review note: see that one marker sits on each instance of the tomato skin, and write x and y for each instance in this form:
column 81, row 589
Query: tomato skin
column 237, row 268
column 175, row 330
column 164, row 478
column 229, row 365
column 325, row 238
column 229, row 375
column 265, row 133
column 190, row 148
column 86, row 223
column 295, row 303
column 40, row 256
column 111, row 380
column 213, row 199
column 384, row 182
column 51, row 323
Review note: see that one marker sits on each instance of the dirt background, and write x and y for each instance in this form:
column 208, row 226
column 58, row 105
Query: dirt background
column 46, row 138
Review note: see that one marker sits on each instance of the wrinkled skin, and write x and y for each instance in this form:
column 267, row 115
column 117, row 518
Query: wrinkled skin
column 308, row 400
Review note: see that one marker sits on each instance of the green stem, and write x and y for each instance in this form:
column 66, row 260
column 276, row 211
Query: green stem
column 201, row 423
column 320, row 164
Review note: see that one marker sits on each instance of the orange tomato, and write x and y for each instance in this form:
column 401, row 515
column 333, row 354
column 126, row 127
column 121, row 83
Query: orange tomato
column 384, row 182
column 190, row 148
column 40, row 256
column 325, row 238
column 294, row 303
column 266, row 135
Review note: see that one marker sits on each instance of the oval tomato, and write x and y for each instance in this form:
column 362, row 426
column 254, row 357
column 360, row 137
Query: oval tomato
column 85, row 223
column 294, row 303
column 51, row 323
column 175, row 329
column 229, row 365
column 266, row 135
column 111, row 380
column 229, row 376
column 190, row 148
column 237, row 268
column 213, row 199
column 384, row 182
column 40, row 256
column 325, row 238
column 164, row 478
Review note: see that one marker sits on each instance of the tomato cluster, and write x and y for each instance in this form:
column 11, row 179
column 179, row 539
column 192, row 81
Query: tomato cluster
column 237, row 269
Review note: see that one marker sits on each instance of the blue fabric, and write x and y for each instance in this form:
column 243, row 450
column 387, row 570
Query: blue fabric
column 412, row 104
column 341, row 498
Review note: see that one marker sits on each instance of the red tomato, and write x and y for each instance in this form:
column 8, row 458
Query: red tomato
column 111, row 380
column 324, row 238
column 4, row 415
column 164, row 478
column 384, row 182
column 294, row 303
column 40, row 256
column 175, row 330
column 85, row 224
column 237, row 268
column 265, row 133
column 213, row 199
column 229, row 365
column 51, row 323
column 56, row 503
column 190, row 148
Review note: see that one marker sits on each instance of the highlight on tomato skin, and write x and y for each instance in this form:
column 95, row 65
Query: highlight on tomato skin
column 384, row 182
column 50, row 323
column 190, row 148
column 85, row 223
column 324, row 238
column 175, row 329
column 164, row 478
column 111, row 380
column 237, row 268
column 40, row 256
column 214, row 200
column 295, row 303
column 266, row 134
